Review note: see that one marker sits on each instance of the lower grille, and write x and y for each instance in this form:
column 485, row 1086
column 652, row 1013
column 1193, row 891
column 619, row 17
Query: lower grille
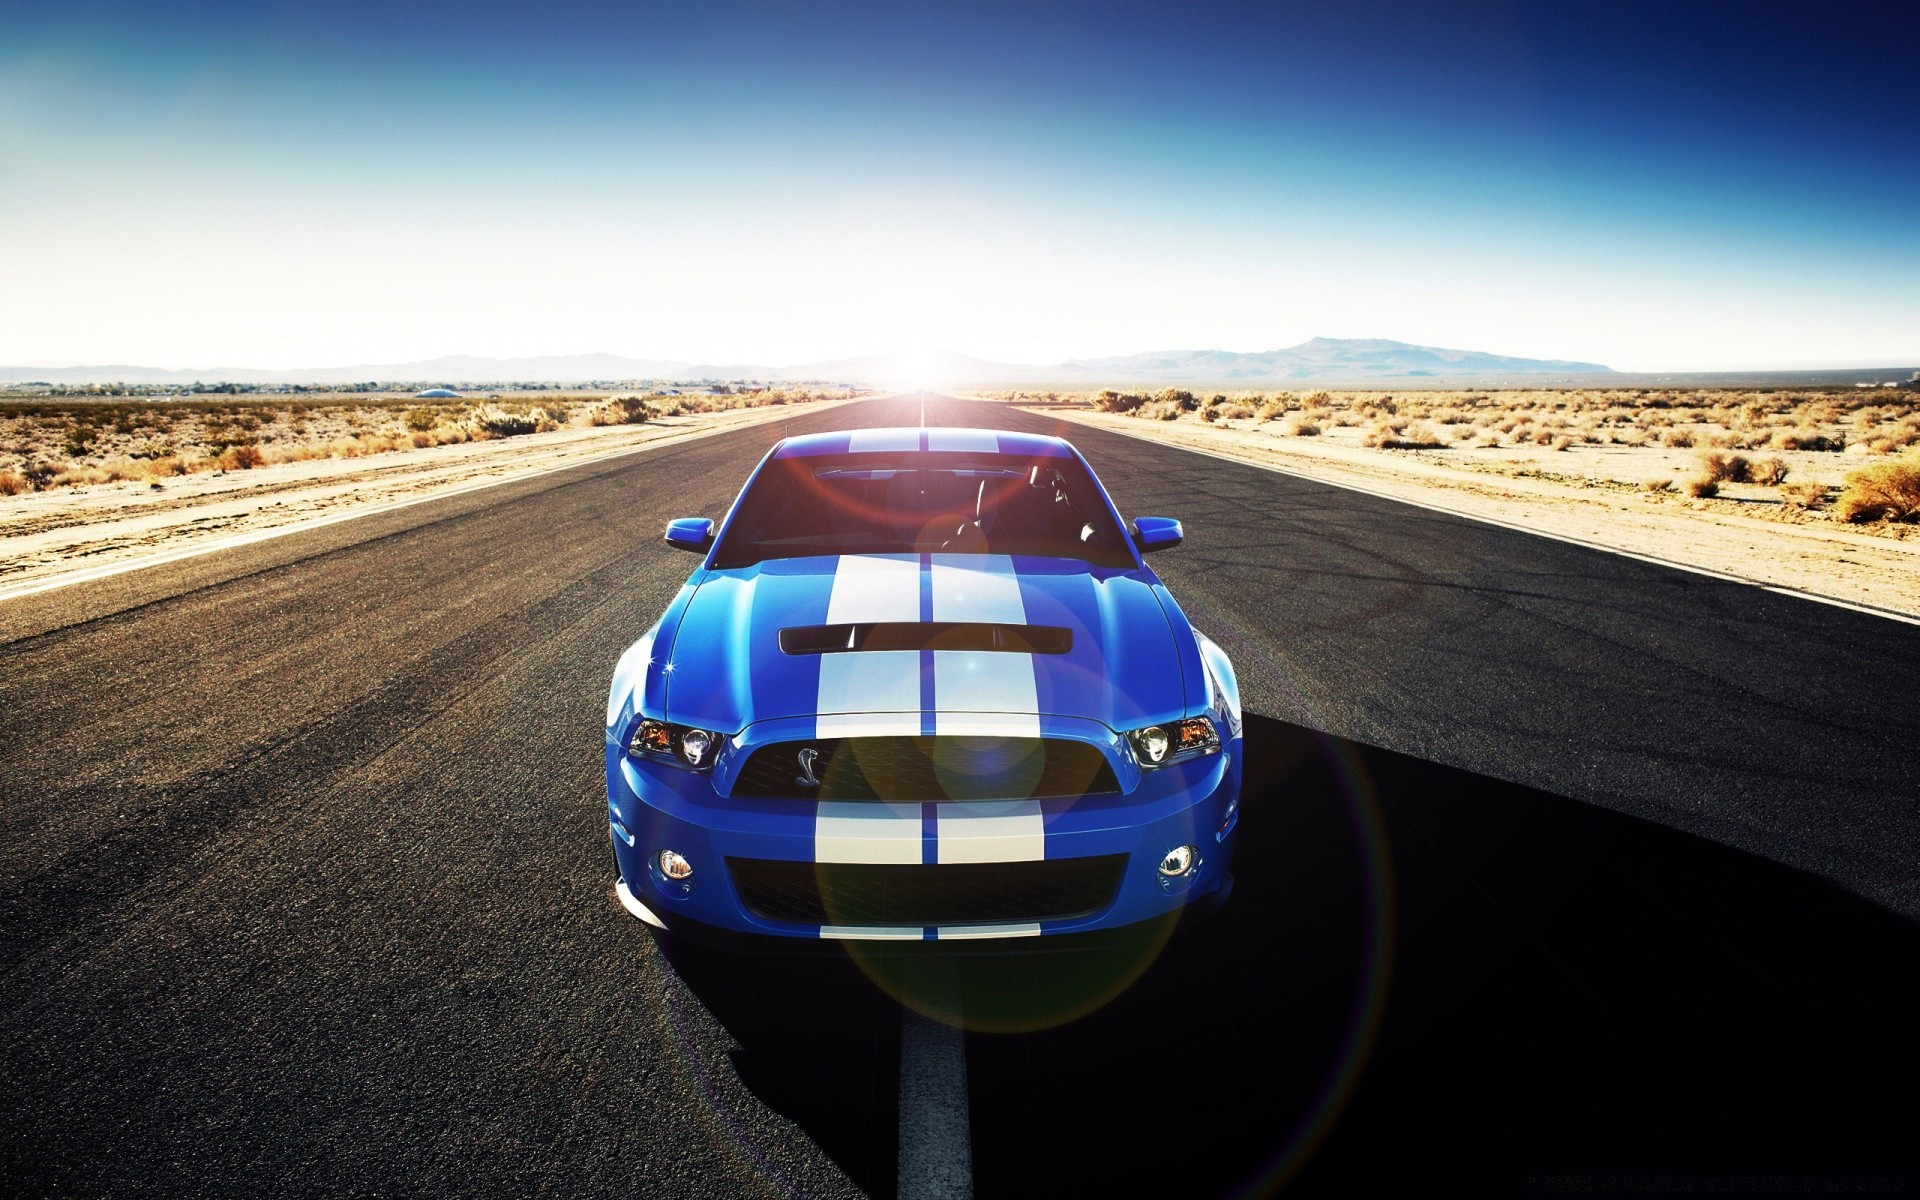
column 927, row 768
column 934, row 894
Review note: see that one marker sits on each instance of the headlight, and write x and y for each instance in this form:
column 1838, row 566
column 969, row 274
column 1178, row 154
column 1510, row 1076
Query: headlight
column 675, row 743
column 1158, row 745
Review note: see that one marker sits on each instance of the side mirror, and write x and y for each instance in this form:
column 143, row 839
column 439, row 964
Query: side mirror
column 1156, row 533
column 692, row 534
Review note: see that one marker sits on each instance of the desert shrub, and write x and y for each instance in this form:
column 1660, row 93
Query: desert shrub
column 1804, row 495
column 80, row 440
column 505, row 424
column 39, row 475
column 1658, row 485
column 422, row 419
column 1167, row 412
column 1802, row 439
column 76, row 475
column 1770, row 471
column 1186, row 401
column 12, row 483
column 1725, row 468
column 630, row 410
column 1271, row 410
column 1400, row 434
column 1883, row 492
column 1236, row 410
column 1702, row 488
column 243, row 457
column 1212, row 413
column 1300, row 426
column 1677, row 439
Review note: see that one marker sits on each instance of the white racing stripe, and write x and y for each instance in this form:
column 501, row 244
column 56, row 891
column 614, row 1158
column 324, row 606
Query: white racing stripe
column 991, row 831
column 866, row 831
column 881, row 688
column 874, row 933
column 967, row 682
column 989, row 724
column 874, row 587
column 874, row 692
column 961, row 933
column 989, row 591
column 866, row 441
column 978, row 440
column 970, row 683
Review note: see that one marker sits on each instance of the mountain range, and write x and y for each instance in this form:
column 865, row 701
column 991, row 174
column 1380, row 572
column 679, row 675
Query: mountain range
column 1319, row 359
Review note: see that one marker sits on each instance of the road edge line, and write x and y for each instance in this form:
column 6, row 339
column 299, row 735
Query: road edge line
column 161, row 558
column 1871, row 610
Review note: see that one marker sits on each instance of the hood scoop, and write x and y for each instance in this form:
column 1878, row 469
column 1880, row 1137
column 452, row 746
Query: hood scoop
column 926, row 635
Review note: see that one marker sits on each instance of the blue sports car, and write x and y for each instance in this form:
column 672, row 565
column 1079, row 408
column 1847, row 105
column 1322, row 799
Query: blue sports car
column 921, row 687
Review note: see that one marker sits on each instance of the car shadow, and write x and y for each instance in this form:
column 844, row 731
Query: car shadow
column 1426, row 981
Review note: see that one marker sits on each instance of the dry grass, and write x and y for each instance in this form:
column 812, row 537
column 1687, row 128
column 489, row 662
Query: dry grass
column 1805, row 497
column 1738, row 436
column 61, row 442
column 1883, row 492
column 1725, row 468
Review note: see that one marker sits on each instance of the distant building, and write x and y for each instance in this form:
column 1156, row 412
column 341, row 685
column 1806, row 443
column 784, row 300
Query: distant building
column 437, row 394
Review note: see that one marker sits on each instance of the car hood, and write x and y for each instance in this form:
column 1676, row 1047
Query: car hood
column 1121, row 660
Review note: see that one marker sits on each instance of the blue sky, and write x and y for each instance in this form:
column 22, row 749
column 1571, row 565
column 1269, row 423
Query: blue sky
column 1654, row 186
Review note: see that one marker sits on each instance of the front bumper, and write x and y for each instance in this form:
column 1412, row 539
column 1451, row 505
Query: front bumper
column 652, row 807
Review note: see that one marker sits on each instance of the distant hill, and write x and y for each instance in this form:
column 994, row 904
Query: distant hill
column 1330, row 360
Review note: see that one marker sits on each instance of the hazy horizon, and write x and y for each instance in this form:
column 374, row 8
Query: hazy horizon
column 1710, row 187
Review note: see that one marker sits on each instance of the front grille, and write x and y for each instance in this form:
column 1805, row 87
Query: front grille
column 912, row 769
column 935, row 894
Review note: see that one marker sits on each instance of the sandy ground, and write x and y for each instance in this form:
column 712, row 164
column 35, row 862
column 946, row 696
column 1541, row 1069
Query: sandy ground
column 1591, row 494
column 67, row 535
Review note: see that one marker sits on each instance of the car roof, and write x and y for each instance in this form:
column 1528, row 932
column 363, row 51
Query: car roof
column 861, row 441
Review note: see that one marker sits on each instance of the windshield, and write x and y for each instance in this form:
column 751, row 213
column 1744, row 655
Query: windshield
column 924, row 502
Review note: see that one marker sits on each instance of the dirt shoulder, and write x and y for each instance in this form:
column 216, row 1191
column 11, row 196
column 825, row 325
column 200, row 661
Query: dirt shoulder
column 1819, row 557
column 58, row 537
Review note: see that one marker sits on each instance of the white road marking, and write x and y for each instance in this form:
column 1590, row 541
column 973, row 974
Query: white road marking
column 1868, row 609
column 936, row 1141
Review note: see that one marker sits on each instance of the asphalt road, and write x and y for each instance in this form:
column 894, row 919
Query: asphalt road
column 1556, row 866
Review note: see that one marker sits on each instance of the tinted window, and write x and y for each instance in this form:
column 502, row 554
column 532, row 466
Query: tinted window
column 924, row 503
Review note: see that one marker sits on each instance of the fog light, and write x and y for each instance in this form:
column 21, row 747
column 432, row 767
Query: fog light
column 1178, row 862
column 673, row 866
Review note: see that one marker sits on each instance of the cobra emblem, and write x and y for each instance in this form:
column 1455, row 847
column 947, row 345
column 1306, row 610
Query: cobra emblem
column 807, row 757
